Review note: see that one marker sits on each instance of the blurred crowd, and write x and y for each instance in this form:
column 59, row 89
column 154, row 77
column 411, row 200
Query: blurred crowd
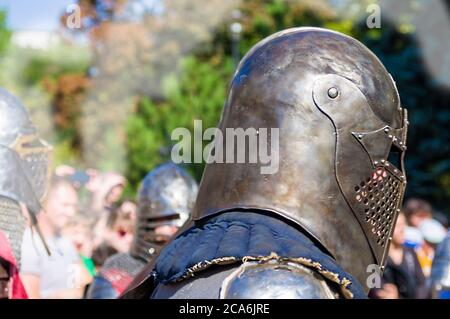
column 86, row 220
column 418, row 232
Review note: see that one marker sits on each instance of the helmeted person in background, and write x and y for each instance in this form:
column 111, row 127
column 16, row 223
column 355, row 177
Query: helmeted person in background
column 165, row 200
column 440, row 271
column 316, row 227
column 24, row 172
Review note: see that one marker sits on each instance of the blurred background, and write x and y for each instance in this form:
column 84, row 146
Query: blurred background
column 107, row 92
column 107, row 81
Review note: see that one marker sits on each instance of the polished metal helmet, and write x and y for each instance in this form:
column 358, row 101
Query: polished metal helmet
column 166, row 197
column 24, row 168
column 275, row 280
column 340, row 124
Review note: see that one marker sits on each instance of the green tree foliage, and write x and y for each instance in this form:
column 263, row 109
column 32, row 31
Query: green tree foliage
column 5, row 33
column 200, row 92
column 51, row 83
column 167, row 97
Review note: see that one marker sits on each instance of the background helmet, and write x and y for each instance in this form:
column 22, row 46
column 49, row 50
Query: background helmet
column 340, row 124
column 166, row 197
column 24, row 168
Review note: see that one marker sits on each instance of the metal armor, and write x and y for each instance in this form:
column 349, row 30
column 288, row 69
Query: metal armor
column 275, row 280
column 24, row 169
column 342, row 138
column 166, row 197
column 12, row 224
column 252, row 280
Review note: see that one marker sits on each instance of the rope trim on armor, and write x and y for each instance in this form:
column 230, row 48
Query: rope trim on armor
column 190, row 272
column 334, row 277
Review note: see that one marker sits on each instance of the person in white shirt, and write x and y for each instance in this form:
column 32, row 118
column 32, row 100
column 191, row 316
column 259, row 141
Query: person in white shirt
column 61, row 274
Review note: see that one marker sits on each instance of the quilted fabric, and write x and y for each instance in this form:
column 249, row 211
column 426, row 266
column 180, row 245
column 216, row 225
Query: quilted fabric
column 236, row 236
